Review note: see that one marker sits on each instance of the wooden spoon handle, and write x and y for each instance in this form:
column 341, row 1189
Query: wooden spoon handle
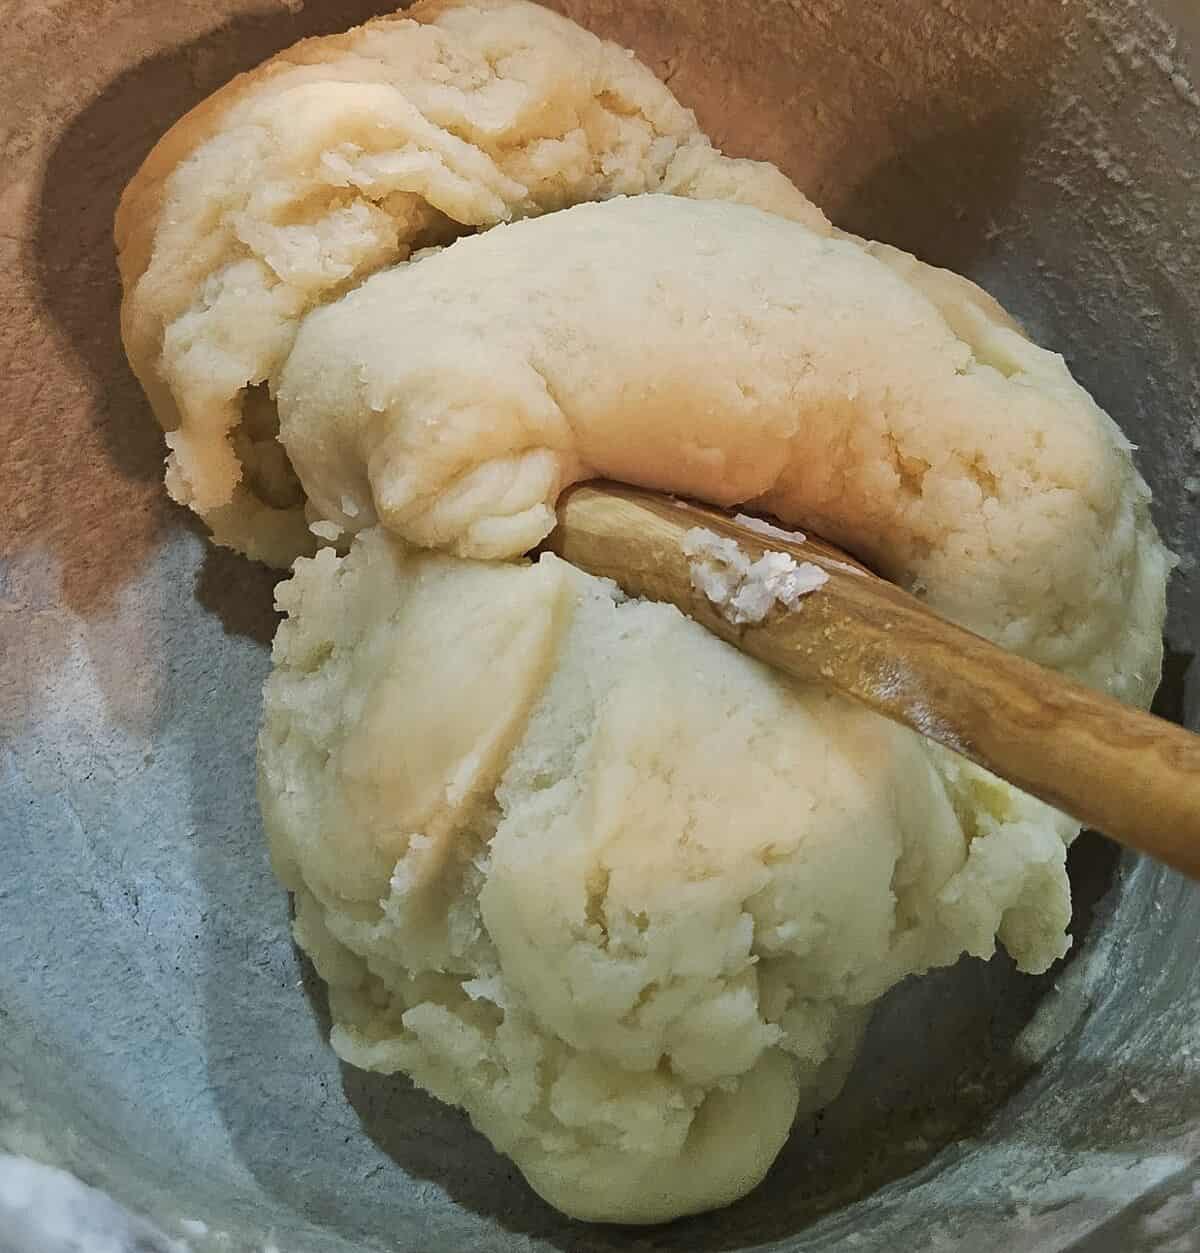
column 1126, row 773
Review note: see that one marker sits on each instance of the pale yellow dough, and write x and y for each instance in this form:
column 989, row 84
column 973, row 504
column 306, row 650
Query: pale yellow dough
column 338, row 158
column 565, row 859
column 578, row 866
column 732, row 355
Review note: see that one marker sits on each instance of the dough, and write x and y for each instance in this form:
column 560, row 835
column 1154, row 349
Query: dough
column 717, row 351
column 564, row 858
column 339, row 157
column 568, row 861
column 617, row 890
column 893, row 406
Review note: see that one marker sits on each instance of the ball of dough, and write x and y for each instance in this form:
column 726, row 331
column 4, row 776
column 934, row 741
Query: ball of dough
column 344, row 155
column 725, row 353
column 617, row 890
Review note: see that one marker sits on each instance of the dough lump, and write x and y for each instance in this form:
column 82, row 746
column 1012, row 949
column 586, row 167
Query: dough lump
column 718, row 351
column 617, row 890
column 342, row 156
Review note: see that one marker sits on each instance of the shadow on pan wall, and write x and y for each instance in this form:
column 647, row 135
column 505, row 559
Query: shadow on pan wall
column 96, row 154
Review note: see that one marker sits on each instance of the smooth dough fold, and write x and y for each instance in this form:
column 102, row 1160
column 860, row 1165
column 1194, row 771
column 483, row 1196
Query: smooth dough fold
column 717, row 351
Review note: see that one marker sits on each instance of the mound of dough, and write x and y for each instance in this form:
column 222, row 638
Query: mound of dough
column 614, row 888
column 565, row 859
column 717, row 351
column 344, row 155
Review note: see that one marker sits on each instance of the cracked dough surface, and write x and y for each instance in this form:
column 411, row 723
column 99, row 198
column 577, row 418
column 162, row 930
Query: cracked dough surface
column 721, row 352
column 341, row 156
column 565, row 859
column 624, row 895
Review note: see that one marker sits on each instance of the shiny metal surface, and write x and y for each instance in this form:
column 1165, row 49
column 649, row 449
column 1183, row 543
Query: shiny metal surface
column 158, row 1034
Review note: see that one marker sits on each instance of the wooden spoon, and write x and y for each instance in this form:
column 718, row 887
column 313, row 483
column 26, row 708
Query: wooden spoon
column 1126, row 773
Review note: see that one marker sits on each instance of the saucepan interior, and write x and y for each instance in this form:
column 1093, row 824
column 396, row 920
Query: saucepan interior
column 160, row 1036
